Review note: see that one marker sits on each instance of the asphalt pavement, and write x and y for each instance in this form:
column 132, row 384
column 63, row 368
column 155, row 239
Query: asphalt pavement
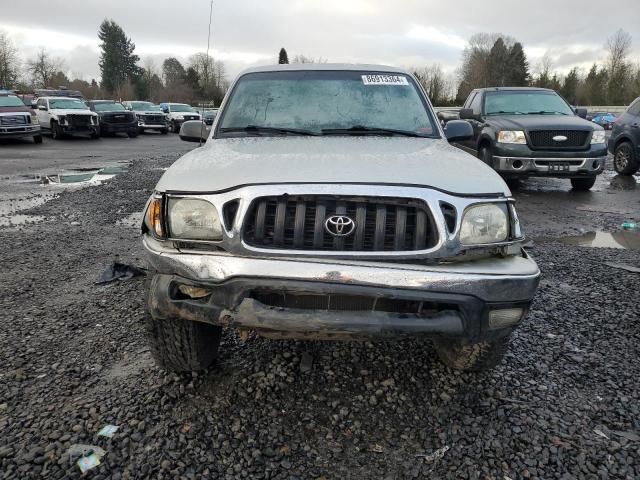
column 73, row 358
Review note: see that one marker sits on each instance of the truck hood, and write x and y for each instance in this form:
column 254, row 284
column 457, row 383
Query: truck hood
column 224, row 164
column 70, row 111
column 8, row 110
column 541, row 122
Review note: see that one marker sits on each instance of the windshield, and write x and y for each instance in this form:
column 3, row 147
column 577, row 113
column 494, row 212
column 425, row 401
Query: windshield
column 525, row 102
column 181, row 108
column 326, row 102
column 108, row 107
column 68, row 103
column 10, row 101
column 147, row 106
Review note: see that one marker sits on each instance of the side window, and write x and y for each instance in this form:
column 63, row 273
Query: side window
column 634, row 108
column 476, row 104
column 469, row 100
column 41, row 101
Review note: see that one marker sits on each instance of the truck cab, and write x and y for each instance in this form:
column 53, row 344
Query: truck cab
column 16, row 119
column 522, row 132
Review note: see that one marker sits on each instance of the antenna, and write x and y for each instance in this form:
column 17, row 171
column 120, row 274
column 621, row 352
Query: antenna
column 204, row 108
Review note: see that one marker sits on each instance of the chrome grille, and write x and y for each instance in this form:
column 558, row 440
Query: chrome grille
column 544, row 139
column 298, row 223
column 9, row 120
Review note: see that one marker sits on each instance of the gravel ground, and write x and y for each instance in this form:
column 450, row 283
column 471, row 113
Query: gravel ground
column 73, row 358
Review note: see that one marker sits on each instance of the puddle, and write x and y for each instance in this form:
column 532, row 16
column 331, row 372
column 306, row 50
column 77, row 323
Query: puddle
column 16, row 220
column 624, row 239
column 624, row 182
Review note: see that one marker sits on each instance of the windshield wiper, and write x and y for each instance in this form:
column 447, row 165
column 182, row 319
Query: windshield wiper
column 362, row 130
column 546, row 112
column 258, row 130
column 502, row 112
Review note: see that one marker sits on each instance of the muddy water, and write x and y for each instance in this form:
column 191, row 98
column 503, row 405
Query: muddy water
column 625, row 239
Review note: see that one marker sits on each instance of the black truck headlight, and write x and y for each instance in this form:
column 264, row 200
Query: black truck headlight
column 193, row 219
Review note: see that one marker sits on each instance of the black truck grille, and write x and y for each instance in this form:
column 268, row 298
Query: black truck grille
column 154, row 119
column 11, row 120
column 117, row 118
column 190, row 117
column 380, row 224
column 544, row 139
column 79, row 120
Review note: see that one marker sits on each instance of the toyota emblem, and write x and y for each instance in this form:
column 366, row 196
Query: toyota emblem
column 339, row 225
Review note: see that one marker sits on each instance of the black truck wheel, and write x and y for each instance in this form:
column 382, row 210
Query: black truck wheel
column 37, row 139
column 56, row 130
column 625, row 160
column 182, row 345
column 583, row 184
column 463, row 355
column 164, row 131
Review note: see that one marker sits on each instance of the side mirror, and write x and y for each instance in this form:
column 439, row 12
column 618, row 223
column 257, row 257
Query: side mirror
column 42, row 107
column 34, row 105
column 458, row 131
column 581, row 112
column 467, row 114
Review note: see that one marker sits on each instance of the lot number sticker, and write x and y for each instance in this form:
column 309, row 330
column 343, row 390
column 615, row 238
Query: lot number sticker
column 384, row 80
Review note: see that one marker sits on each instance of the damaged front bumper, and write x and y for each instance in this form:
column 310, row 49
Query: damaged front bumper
column 328, row 298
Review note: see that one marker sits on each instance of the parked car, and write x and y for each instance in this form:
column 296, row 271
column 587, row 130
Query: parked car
column 178, row 113
column 195, row 131
column 604, row 119
column 66, row 116
column 150, row 116
column 315, row 214
column 209, row 115
column 525, row 131
column 114, row 118
column 16, row 119
column 624, row 142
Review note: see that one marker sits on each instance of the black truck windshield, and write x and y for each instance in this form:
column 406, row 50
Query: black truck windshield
column 326, row 103
column 525, row 102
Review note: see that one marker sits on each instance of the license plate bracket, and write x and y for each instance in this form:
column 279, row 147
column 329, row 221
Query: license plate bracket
column 559, row 167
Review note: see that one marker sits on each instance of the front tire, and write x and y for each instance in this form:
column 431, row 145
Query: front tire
column 468, row 356
column 132, row 134
column 37, row 139
column 486, row 155
column 583, row 184
column 164, row 131
column 183, row 345
column 175, row 128
column 625, row 160
column 56, row 130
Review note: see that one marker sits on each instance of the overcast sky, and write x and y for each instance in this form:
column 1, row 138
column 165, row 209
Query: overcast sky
column 395, row 32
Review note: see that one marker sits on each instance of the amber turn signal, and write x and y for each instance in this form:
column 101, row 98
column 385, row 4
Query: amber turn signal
column 155, row 217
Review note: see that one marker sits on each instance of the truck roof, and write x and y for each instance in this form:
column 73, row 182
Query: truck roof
column 507, row 89
column 324, row 66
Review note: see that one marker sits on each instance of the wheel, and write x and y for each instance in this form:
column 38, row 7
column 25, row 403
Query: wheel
column 164, row 131
column 625, row 160
column 583, row 184
column 462, row 355
column 175, row 128
column 132, row 134
column 95, row 135
column 37, row 139
column 140, row 130
column 485, row 155
column 56, row 130
column 183, row 345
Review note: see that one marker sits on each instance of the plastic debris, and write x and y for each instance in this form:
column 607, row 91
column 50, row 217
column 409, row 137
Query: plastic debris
column 306, row 362
column 437, row 455
column 108, row 431
column 600, row 433
column 630, row 226
column 376, row 448
column 119, row 271
column 631, row 436
column 622, row 266
column 87, row 463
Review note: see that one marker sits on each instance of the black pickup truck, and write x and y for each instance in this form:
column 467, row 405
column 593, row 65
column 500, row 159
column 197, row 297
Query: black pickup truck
column 526, row 131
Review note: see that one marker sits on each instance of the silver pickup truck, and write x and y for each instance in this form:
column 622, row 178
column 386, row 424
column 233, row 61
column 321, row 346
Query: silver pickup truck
column 327, row 203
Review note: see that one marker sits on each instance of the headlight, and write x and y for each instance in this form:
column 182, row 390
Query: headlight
column 598, row 137
column 194, row 219
column 512, row 136
column 486, row 223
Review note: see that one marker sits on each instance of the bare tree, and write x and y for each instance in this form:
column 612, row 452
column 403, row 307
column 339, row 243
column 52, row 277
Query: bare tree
column 43, row 68
column 436, row 84
column 618, row 45
column 300, row 58
column 620, row 73
column 9, row 63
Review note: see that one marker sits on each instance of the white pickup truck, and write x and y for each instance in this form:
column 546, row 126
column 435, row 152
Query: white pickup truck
column 66, row 116
column 178, row 113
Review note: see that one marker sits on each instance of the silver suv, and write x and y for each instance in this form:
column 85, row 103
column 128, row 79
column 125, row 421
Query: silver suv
column 328, row 204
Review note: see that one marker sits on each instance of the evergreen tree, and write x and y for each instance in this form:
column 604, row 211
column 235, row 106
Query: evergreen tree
column 118, row 62
column 283, row 58
column 517, row 67
column 595, row 86
column 498, row 63
column 569, row 88
column 173, row 72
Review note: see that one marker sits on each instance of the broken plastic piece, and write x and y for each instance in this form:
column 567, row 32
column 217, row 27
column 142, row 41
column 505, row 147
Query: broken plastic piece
column 87, row 463
column 119, row 271
column 81, row 450
column 630, row 226
column 194, row 292
column 108, row 431
column 437, row 455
